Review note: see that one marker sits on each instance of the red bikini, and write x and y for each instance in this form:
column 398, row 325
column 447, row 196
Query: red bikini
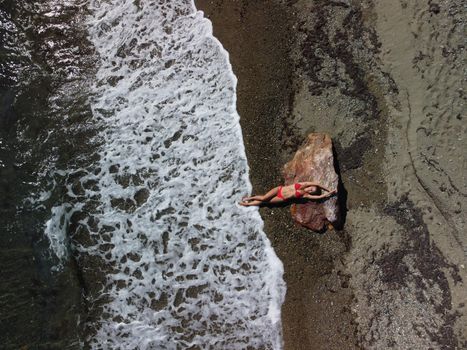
column 297, row 186
column 279, row 193
column 297, row 192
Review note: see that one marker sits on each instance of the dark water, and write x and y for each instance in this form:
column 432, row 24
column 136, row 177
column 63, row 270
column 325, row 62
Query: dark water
column 43, row 129
column 147, row 248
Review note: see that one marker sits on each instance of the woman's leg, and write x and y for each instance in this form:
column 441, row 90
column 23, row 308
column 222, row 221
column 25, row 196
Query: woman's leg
column 276, row 199
column 271, row 194
column 273, row 200
column 252, row 198
column 251, row 203
column 265, row 197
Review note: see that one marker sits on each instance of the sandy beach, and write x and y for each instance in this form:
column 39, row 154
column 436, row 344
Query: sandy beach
column 120, row 166
column 385, row 81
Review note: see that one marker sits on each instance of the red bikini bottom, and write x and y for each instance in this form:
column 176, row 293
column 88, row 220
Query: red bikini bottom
column 297, row 186
column 279, row 193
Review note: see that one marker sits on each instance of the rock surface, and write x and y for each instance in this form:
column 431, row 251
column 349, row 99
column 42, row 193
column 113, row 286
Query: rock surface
column 314, row 162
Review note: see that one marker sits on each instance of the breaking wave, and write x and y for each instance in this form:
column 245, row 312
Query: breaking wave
column 185, row 266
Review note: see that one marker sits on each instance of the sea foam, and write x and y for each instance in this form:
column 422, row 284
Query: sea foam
column 171, row 168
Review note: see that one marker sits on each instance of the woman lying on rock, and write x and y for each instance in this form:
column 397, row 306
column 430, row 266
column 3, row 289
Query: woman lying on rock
column 307, row 190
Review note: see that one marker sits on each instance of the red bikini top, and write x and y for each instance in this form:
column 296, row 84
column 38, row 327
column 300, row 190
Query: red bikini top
column 297, row 192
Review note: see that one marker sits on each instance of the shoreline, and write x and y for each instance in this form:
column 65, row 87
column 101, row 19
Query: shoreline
column 394, row 276
column 316, row 312
column 384, row 80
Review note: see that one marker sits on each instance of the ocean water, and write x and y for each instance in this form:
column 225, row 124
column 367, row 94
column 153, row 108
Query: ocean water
column 147, row 208
column 45, row 131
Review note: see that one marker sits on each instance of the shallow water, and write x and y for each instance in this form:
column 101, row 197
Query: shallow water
column 137, row 165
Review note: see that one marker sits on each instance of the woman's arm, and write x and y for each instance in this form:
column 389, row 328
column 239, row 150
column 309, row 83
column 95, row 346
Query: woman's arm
column 309, row 183
column 321, row 196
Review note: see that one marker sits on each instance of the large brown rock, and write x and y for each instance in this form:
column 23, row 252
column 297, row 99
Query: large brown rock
column 314, row 161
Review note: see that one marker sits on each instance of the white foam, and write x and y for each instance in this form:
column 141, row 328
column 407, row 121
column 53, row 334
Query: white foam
column 56, row 231
column 165, row 102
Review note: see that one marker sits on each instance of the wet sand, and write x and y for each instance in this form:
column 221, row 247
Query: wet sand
column 385, row 80
column 316, row 313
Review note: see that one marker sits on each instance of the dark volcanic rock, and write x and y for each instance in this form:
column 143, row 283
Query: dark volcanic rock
column 314, row 162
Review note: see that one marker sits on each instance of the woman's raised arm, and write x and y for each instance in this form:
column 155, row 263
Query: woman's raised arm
column 321, row 196
column 309, row 183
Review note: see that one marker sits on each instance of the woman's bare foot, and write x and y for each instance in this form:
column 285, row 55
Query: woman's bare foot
column 245, row 201
column 250, row 203
column 252, row 198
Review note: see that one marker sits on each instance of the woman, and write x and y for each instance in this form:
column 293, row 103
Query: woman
column 307, row 190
